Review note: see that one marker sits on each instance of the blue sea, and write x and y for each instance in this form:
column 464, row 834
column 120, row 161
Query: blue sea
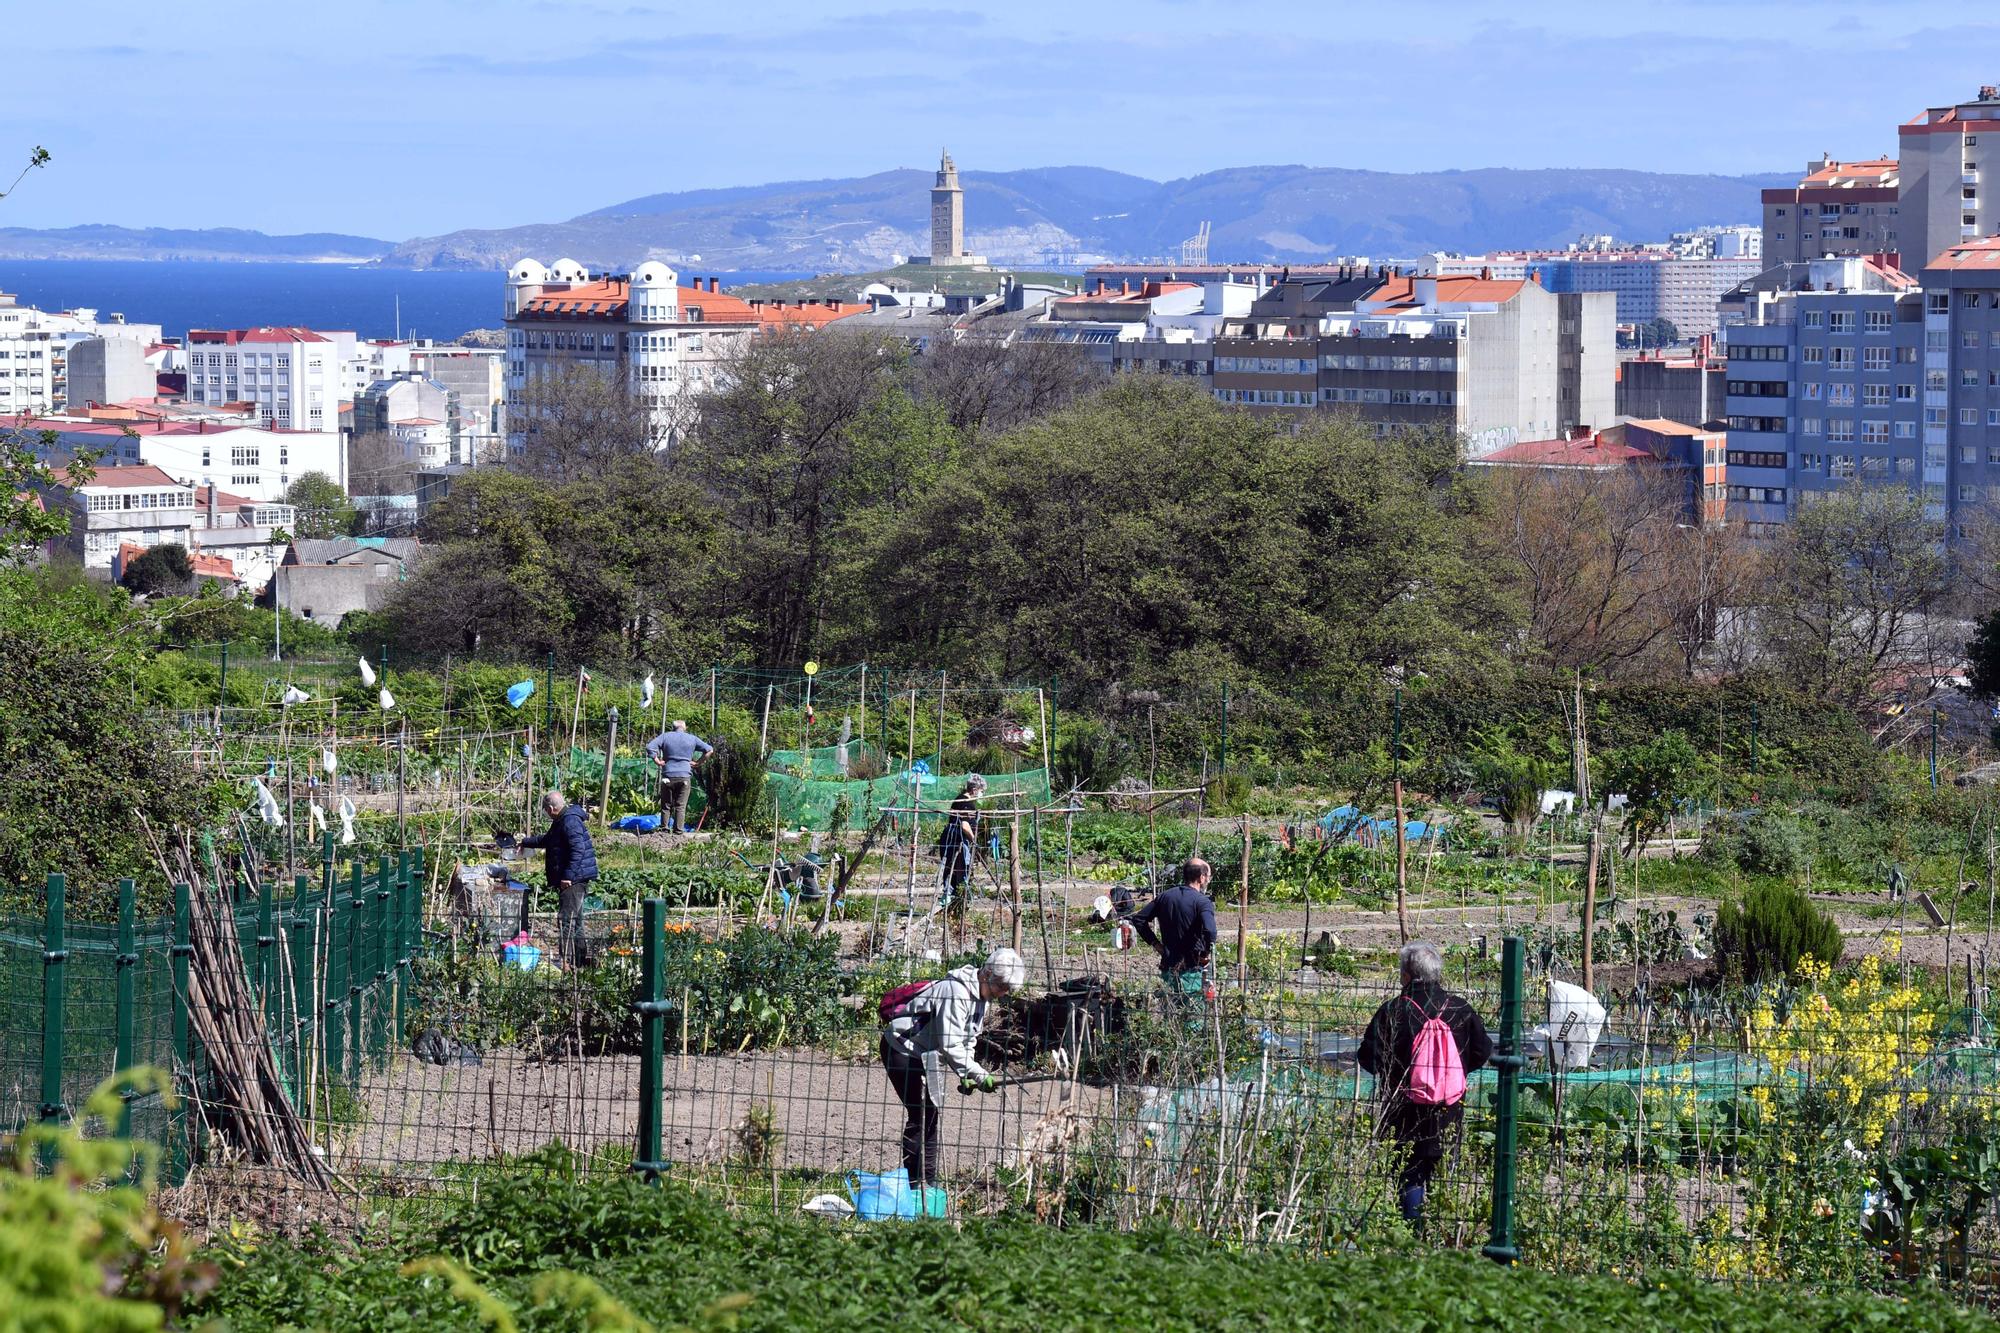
column 180, row 295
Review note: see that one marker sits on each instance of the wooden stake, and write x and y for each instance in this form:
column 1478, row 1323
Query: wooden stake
column 1402, row 866
column 1014, row 874
column 610, row 751
column 1243, row 914
column 1589, row 905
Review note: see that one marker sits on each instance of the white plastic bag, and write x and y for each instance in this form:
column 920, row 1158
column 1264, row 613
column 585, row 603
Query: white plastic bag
column 294, row 695
column 388, row 699
column 346, row 820
column 367, row 673
column 646, row 691
column 267, row 805
column 1576, row 1017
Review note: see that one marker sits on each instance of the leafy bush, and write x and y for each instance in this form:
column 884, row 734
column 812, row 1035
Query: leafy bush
column 753, row 988
column 75, row 1241
column 670, row 1255
column 1770, row 929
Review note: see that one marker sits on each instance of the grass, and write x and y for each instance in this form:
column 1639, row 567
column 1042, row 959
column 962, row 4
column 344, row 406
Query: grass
column 672, row 1256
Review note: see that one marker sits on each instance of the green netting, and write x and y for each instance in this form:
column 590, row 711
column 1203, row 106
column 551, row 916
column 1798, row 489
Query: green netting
column 827, row 761
column 811, row 803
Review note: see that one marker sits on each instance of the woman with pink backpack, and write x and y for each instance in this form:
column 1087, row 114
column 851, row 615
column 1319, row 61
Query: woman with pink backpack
column 1420, row 1046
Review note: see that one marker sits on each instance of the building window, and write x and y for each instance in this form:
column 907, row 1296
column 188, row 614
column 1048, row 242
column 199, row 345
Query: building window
column 1874, row 432
column 1879, row 321
column 1814, row 356
column 1813, row 319
column 1842, row 321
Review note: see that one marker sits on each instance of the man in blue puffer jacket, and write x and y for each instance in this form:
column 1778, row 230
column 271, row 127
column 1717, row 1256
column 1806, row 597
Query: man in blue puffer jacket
column 570, row 861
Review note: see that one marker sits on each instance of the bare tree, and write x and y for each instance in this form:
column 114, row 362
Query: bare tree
column 1591, row 552
column 576, row 424
column 377, row 464
column 985, row 384
column 1856, row 582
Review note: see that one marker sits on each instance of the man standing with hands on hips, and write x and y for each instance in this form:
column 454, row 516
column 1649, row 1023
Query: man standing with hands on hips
column 676, row 751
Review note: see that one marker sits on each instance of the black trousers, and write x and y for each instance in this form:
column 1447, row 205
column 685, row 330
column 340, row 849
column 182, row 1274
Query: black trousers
column 1419, row 1133
column 920, row 1126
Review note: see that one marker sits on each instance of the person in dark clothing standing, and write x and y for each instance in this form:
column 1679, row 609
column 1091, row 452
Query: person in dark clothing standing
column 1185, row 915
column 957, row 842
column 677, row 752
column 1419, row 1128
column 569, row 859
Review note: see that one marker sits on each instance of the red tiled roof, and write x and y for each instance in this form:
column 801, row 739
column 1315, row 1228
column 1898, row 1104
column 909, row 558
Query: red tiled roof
column 263, row 334
column 1979, row 254
column 1400, row 292
column 1147, row 291
column 774, row 315
column 1870, row 171
column 1587, row 451
column 132, row 476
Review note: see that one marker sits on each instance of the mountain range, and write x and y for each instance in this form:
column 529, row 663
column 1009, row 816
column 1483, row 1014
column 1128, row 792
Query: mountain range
column 1026, row 218
column 98, row 241
column 1018, row 218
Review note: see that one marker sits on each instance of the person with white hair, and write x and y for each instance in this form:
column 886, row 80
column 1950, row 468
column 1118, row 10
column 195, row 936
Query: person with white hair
column 676, row 751
column 569, row 859
column 1420, row 1046
column 931, row 1034
column 958, row 843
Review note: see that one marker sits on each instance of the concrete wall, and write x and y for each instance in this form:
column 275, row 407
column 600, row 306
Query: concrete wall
column 108, row 370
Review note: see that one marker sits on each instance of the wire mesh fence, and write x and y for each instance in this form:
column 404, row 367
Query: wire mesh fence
column 406, row 1032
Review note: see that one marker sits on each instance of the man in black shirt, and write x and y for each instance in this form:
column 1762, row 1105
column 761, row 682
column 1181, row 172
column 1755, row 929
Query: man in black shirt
column 1185, row 915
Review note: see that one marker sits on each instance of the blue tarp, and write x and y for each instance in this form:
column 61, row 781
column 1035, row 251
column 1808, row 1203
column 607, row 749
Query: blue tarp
column 1348, row 821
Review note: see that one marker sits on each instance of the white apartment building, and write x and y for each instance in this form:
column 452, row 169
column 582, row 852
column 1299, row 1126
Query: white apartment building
column 1943, row 191
column 137, row 504
column 292, row 378
column 255, row 463
column 665, row 340
column 34, row 351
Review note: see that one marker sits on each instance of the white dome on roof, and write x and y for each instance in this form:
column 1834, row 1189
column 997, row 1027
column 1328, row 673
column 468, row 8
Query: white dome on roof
column 527, row 270
column 653, row 273
column 568, row 270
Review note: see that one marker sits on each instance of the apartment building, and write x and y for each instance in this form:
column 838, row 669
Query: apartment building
column 1649, row 284
column 1687, row 388
column 291, row 378
column 418, row 413
column 1828, row 385
column 476, row 377
column 249, row 460
column 1961, row 367
column 1837, row 208
column 1943, row 195
column 1496, row 361
column 35, row 347
column 665, row 340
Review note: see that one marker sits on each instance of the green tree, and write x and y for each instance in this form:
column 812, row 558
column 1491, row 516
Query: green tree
column 26, row 521
column 611, row 568
column 1654, row 776
column 323, row 508
column 812, row 448
column 88, row 771
column 161, row 569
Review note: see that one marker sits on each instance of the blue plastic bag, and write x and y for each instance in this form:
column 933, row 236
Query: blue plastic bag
column 524, row 956
column 518, row 694
column 880, row 1197
column 638, row 823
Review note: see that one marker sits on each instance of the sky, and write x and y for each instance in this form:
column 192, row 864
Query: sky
column 399, row 118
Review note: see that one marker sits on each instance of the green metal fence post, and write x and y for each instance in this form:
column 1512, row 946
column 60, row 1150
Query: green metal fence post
column 222, row 691
column 357, row 902
column 397, row 954
column 126, row 959
column 178, row 1155
column 55, row 953
column 384, row 1001
column 332, row 1030
column 1506, row 1099
column 267, row 944
column 326, row 879
column 652, row 1008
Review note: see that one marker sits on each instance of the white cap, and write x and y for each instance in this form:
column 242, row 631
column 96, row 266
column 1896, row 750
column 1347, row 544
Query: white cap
column 1005, row 966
